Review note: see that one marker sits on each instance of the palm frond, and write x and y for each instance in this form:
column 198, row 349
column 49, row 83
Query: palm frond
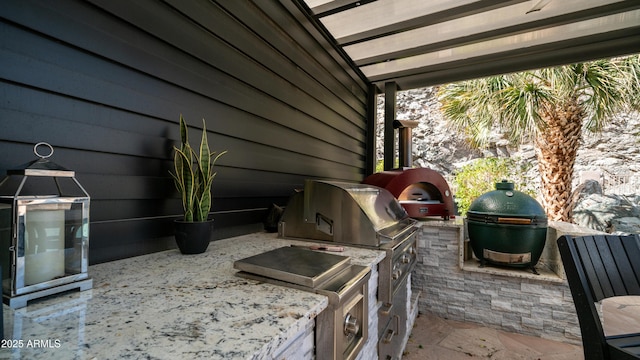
column 601, row 92
column 508, row 102
column 630, row 77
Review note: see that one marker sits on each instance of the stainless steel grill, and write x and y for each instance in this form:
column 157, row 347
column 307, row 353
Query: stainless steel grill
column 346, row 213
column 365, row 216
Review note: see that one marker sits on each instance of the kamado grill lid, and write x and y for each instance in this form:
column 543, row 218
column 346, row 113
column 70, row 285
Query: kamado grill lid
column 506, row 205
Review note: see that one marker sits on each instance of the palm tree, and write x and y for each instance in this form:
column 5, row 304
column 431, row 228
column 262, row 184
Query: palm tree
column 549, row 106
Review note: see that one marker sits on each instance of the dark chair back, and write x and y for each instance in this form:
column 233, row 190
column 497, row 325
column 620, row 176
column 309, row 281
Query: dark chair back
column 599, row 267
column 1, row 314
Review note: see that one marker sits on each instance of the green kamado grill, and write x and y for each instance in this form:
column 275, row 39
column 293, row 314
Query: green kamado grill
column 507, row 227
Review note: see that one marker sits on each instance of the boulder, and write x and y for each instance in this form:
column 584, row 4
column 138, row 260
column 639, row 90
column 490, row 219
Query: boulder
column 625, row 225
column 610, row 213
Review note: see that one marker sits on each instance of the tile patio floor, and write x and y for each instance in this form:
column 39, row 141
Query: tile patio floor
column 435, row 338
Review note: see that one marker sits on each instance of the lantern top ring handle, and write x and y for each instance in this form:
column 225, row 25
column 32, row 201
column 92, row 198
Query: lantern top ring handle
column 35, row 150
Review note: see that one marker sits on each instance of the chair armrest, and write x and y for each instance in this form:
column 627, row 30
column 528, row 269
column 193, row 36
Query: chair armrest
column 625, row 346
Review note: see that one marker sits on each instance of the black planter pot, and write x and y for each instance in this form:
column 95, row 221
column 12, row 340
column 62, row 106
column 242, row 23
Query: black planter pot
column 193, row 237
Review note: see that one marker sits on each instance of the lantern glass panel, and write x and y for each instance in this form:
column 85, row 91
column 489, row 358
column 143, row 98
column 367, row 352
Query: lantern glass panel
column 52, row 236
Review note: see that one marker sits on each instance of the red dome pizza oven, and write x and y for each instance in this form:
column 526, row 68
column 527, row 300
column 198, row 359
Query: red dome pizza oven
column 422, row 192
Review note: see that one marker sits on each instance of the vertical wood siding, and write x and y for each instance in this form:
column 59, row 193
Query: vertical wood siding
column 105, row 81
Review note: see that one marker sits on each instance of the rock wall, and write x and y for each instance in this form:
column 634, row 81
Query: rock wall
column 611, row 157
column 615, row 150
column 435, row 146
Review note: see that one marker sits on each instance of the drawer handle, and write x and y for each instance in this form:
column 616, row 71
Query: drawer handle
column 388, row 336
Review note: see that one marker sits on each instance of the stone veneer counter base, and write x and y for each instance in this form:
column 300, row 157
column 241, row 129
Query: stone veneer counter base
column 513, row 300
column 171, row 306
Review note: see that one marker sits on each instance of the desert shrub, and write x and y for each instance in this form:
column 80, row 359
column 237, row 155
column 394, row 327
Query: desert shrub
column 380, row 165
column 480, row 176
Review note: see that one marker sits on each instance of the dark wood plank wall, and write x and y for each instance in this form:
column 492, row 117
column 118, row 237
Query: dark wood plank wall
column 104, row 81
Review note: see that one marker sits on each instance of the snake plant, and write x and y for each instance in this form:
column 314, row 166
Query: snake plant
column 194, row 174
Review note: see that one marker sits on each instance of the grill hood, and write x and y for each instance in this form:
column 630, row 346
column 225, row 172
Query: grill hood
column 343, row 212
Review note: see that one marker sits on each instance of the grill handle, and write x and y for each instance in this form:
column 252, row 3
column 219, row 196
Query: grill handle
column 385, row 309
column 515, row 221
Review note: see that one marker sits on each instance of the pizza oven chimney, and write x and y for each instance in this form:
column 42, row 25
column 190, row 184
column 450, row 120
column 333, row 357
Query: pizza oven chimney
column 405, row 142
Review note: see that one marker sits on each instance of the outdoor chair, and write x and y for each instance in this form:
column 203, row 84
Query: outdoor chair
column 599, row 267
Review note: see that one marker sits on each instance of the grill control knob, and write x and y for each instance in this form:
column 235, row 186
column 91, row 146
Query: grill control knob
column 351, row 326
column 396, row 274
column 405, row 258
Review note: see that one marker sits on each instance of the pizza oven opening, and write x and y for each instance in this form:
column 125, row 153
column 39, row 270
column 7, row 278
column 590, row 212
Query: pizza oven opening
column 421, row 192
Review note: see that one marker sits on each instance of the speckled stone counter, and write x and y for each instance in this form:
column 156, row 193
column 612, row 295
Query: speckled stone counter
column 170, row 306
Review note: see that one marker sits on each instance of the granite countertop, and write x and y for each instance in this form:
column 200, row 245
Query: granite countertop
column 436, row 221
column 170, row 306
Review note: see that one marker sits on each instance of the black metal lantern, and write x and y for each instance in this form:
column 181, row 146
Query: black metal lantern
column 44, row 231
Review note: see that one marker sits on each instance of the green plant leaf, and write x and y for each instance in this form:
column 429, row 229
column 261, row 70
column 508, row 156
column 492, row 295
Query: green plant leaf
column 184, row 133
column 193, row 176
column 184, row 179
column 205, row 153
